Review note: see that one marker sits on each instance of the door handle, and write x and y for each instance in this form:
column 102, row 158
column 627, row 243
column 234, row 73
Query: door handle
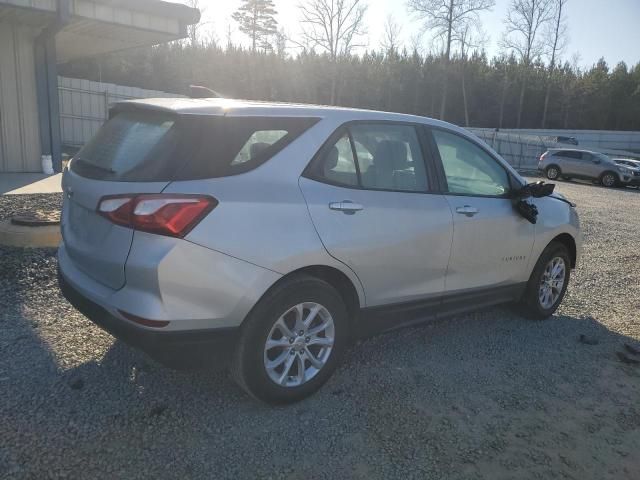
column 467, row 210
column 346, row 206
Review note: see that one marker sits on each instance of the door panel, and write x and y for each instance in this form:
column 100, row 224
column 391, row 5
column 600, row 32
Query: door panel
column 398, row 243
column 491, row 241
column 490, row 247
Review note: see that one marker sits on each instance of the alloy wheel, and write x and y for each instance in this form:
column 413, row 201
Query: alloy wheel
column 608, row 180
column 552, row 173
column 552, row 282
column 299, row 344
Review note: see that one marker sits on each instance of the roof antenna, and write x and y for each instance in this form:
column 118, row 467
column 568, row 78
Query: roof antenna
column 198, row 91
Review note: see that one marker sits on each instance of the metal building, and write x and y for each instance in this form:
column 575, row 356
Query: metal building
column 36, row 35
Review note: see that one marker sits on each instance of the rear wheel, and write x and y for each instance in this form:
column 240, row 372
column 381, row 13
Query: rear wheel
column 609, row 179
column 292, row 341
column 553, row 172
column 548, row 282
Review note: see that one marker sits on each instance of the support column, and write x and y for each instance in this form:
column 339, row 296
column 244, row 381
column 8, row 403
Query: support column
column 47, row 86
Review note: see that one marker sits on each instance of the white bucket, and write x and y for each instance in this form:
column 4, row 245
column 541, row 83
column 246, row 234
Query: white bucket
column 47, row 165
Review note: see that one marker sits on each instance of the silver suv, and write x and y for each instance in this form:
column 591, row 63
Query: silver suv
column 271, row 235
column 585, row 164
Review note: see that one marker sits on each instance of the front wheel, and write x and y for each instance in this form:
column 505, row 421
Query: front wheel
column 292, row 341
column 548, row 282
column 609, row 179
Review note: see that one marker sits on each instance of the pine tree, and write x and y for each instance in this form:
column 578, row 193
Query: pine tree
column 256, row 19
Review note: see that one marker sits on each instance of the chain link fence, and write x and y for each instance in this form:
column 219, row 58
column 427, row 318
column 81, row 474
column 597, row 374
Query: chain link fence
column 521, row 151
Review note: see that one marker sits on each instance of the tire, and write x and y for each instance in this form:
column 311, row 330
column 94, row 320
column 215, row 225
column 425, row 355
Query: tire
column 249, row 367
column 553, row 172
column 609, row 179
column 530, row 304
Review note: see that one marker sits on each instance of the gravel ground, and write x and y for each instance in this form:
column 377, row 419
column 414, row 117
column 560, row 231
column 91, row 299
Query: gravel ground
column 487, row 395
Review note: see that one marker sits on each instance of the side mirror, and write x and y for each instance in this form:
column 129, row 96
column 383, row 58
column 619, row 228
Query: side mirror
column 596, row 160
column 536, row 190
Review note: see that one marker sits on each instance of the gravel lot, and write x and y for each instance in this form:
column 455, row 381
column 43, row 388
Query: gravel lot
column 487, row 395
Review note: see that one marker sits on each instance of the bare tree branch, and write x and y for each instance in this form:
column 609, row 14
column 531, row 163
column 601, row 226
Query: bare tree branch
column 333, row 25
column 524, row 21
column 391, row 38
column 447, row 19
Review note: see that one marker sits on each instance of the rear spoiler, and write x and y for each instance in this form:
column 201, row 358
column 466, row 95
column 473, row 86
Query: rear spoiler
column 198, row 91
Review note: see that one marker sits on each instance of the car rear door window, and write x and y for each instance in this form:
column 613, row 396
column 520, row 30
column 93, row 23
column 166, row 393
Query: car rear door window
column 571, row 154
column 339, row 165
column 374, row 156
column 389, row 157
column 468, row 169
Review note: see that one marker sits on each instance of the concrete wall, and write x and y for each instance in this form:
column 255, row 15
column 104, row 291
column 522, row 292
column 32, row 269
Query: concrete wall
column 19, row 128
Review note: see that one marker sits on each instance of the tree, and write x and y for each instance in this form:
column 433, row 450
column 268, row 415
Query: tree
column 557, row 34
column 447, row 18
column 524, row 21
column 391, row 40
column 194, row 30
column 333, row 26
column 256, row 18
column 467, row 41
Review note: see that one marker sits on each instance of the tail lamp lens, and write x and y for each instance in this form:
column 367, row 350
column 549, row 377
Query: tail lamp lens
column 171, row 215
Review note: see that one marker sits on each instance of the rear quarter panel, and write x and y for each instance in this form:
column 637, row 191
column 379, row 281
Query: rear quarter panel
column 262, row 217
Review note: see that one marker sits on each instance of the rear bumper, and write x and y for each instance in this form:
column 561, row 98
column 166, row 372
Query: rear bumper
column 182, row 349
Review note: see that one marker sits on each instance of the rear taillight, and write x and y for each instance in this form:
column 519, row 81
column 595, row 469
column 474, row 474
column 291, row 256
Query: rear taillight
column 164, row 214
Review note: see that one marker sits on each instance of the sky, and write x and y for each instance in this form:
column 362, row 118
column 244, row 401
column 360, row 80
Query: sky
column 597, row 28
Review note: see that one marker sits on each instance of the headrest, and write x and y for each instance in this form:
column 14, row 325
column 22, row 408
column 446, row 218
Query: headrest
column 332, row 158
column 391, row 155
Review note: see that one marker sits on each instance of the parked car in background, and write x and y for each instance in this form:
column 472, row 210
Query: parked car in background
column 568, row 163
column 565, row 140
column 634, row 165
column 276, row 233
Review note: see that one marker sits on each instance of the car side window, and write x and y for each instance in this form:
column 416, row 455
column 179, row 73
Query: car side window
column 572, row 154
column 387, row 157
column 338, row 164
column 470, row 170
column 258, row 142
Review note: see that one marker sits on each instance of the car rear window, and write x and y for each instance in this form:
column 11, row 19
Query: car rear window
column 152, row 146
column 130, row 146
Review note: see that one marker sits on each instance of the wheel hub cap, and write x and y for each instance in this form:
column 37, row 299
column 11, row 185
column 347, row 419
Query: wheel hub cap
column 299, row 344
column 552, row 282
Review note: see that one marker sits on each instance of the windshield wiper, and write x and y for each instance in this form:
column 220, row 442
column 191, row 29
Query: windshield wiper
column 93, row 165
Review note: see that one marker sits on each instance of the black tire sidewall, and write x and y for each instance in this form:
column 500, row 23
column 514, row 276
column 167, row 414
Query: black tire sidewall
column 259, row 324
column 531, row 302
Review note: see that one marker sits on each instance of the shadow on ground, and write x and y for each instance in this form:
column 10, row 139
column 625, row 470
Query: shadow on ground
column 489, row 395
